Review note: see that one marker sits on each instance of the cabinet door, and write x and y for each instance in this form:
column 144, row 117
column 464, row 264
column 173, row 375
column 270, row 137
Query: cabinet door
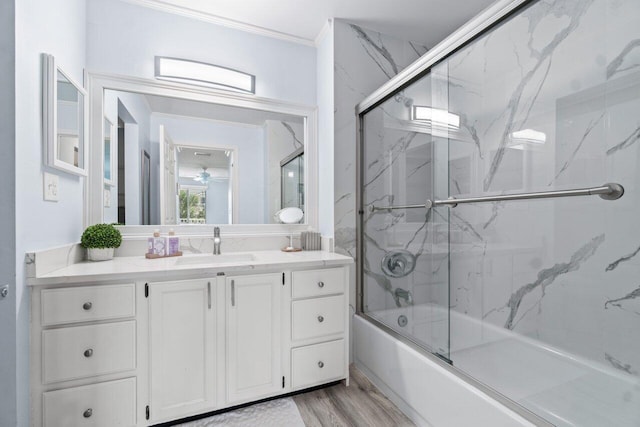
column 254, row 363
column 182, row 348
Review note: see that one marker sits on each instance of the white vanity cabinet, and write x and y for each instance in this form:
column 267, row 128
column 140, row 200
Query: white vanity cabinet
column 84, row 365
column 254, row 343
column 182, row 344
column 159, row 349
column 319, row 321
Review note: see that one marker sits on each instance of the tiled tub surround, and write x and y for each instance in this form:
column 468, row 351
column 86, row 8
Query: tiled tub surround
column 363, row 60
column 559, row 273
column 137, row 342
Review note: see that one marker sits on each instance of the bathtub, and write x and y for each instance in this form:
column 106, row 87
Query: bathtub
column 537, row 379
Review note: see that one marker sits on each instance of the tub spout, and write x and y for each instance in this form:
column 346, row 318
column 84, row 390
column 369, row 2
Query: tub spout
column 405, row 295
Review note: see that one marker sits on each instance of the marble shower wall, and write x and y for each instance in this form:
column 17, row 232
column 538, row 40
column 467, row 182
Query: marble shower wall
column 363, row 60
column 563, row 271
column 545, row 269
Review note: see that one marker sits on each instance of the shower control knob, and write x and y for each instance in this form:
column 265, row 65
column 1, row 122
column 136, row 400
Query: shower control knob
column 87, row 413
column 87, row 306
column 321, row 284
column 321, row 364
column 88, row 352
column 320, row 319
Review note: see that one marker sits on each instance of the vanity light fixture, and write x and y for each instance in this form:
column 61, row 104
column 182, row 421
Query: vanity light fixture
column 435, row 116
column 203, row 74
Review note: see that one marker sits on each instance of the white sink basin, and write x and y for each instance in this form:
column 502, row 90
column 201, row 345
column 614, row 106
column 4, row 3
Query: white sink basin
column 213, row 259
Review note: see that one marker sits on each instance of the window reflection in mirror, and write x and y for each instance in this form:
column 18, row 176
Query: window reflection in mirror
column 70, row 122
column 209, row 163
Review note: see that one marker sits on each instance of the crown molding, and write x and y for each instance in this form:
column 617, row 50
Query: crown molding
column 326, row 29
column 218, row 20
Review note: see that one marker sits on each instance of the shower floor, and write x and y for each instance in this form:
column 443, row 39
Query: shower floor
column 564, row 389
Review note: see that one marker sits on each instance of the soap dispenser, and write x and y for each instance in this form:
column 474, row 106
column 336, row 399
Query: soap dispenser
column 173, row 243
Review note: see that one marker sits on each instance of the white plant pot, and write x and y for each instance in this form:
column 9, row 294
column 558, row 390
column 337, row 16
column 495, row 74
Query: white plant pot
column 100, row 254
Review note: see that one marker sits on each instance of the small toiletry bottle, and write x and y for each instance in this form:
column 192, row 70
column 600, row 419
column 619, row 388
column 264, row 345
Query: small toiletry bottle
column 150, row 244
column 159, row 244
column 173, row 243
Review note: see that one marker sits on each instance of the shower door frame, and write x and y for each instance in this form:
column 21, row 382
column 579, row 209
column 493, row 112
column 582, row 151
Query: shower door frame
column 479, row 25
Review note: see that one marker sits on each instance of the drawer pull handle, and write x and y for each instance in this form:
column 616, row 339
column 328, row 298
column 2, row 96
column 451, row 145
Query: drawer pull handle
column 321, row 364
column 320, row 319
column 87, row 413
column 87, row 306
column 321, row 284
column 88, row 352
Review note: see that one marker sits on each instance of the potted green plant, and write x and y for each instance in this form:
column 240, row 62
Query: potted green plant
column 100, row 241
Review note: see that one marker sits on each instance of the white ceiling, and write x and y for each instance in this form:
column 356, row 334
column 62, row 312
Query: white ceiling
column 424, row 21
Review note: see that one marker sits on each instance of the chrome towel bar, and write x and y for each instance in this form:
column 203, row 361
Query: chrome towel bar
column 610, row 191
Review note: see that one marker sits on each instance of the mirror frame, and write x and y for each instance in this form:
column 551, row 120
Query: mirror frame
column 50, row 118
column 97, row 83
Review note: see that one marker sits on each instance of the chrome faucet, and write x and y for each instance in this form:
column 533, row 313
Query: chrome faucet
column 216, row 241
column 399, row 294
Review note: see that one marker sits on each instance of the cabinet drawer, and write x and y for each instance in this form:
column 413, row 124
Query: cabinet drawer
column 314, row 283
column 85, row 351
column 317, row 317
column 87, row 303
column 107, row 404
column 316, row 364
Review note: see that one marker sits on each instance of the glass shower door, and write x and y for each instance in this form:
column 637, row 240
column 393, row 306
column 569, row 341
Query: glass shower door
column 406, row 251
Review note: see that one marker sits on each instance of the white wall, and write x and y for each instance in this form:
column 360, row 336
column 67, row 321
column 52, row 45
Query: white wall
column 57, row 27
column 124, row 39
column 325, row 67
column 8, row 214
column 249, row 142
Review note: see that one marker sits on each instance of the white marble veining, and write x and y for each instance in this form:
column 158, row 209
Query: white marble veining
column 364, row 60
column 137, row 267
column 560, row 272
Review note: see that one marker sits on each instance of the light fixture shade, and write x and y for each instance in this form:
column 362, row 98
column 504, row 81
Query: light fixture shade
column 435, row 116
column 203, row 74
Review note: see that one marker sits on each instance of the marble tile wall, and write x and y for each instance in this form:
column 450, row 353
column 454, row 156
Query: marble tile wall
column 363, row 60
column 563, row 271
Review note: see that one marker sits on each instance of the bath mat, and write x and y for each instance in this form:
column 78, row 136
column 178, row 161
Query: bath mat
column 274, row 413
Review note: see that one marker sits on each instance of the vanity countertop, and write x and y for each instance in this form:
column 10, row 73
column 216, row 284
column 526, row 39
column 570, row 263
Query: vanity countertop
column 140, row 268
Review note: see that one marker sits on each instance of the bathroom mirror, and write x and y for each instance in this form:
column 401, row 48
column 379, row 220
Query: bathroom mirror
column 214, row 159
column 64, row 120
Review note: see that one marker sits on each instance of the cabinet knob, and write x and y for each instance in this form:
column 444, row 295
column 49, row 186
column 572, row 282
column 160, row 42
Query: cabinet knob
column 321, row 284
column 88, row 352
column 321, row 364
column 87, row 413
column 87, row 306
column 320, row 319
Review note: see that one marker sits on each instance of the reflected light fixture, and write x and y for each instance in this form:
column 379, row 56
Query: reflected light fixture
column 203, row 74
column 527, row 138
column 435, row 116
column 203, row 177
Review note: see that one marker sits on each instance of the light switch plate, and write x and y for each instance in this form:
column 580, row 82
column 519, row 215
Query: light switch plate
column 50, row 187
